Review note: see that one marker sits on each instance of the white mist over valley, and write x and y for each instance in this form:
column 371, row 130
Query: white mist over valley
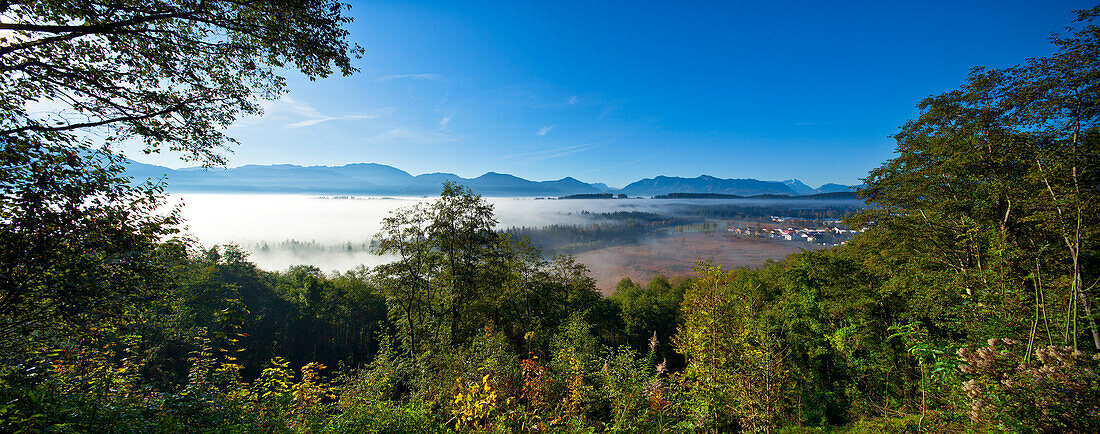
column 333, row 233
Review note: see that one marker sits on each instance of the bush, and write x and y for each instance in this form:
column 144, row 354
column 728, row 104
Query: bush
column 1058, row 390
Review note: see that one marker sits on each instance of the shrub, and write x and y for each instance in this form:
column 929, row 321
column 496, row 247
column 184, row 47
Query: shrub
column 1058, row 390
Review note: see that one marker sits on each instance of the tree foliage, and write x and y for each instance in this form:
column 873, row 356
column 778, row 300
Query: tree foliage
column 78, row 244
column 997, row 183
column 171, row 74
column 79, row 240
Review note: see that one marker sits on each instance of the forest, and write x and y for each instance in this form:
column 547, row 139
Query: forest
column 968, row 306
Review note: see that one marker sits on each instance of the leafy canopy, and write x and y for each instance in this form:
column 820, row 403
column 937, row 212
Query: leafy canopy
column 170, row 73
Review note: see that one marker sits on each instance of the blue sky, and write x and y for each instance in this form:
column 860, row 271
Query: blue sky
column 617, row 91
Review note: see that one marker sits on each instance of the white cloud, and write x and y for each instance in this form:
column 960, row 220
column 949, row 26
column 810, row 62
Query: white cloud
column 309, row 122
column 315, row 121
column 411, row 77
column 406, row 135
column 542, row 131
column 288, row 105
column 561, row 152
column 292, row 113
column 443, row 123
column 546, row 153
column 287, row 108
column 573, row 100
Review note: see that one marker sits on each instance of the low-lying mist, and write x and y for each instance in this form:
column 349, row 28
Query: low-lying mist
column 334, row 233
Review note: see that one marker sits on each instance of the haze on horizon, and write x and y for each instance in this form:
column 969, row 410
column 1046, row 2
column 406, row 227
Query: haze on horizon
column 327, row 223
column 615, row 92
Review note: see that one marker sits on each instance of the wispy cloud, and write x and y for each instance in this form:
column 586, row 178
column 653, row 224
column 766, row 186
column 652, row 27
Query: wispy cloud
column 561, row 152
column 431, row 76
column 442, row 102
column 287, row 104
column 406, row 135
column 546, row 153
column 443, row 123
column 542, row 131
column 609, row 109
column 315, row 121
column 299, row 114
column 573, row 100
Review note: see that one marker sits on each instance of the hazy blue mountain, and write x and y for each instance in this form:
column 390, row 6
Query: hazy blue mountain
column 379, row 174
column 570, row 183
column 493, row 180
column 429, row 183
column 380, row 179
column 603, row 188
column 705, row 184
column 361, row 178
column 141, row 171
column 799, row 187
column 501, row 184
column 804, row 189
column 834, row 188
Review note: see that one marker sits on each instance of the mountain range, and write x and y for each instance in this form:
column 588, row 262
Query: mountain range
column 374, row 179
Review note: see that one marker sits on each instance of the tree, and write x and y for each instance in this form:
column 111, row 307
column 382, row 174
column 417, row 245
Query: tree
column 405, row 281
column 462, row 231
column 999, row 180
column 79, row 242
column 648, row 311
column 169, row 73
column 442, row 249
column 454, row 275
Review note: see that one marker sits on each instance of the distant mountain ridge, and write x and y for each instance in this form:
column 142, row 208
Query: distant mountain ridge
column 705, row 184
column 799, row 187
column 380, row 179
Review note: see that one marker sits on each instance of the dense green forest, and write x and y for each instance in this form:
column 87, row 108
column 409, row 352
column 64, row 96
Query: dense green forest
column 968, row 305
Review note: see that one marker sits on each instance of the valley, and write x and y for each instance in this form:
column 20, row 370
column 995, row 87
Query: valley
column 677, row 255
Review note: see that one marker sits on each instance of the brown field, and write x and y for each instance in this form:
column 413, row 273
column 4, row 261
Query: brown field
column 675, row 255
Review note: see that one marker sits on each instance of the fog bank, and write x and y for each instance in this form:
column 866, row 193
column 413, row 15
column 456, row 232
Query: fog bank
column 336, row 230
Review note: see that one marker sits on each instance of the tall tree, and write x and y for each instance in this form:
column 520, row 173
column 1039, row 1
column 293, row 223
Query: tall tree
column 996, row 179
column 170, row 73
column 77, row 239
column 442, row 249
column 462, row 231
column 77, row 244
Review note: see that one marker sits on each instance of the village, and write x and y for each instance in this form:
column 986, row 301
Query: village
column 827, row 232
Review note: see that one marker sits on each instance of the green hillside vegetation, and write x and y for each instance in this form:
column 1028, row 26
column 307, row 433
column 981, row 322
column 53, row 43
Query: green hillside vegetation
column 967, row 307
